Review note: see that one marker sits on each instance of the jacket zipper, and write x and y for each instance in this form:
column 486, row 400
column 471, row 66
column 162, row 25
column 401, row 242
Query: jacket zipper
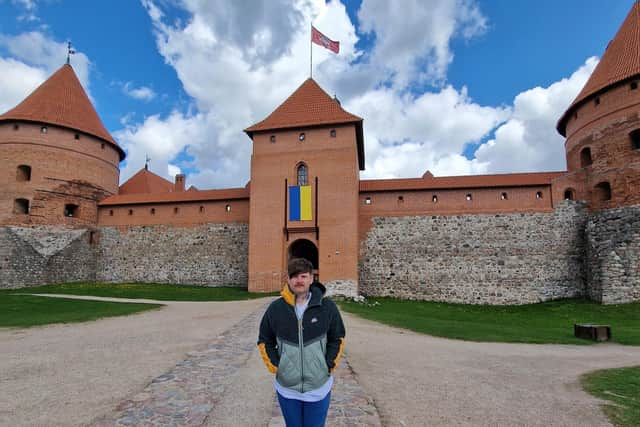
column 300, row 346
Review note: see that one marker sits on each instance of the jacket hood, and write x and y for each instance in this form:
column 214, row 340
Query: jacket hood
column 317, row 290
column 320, row 286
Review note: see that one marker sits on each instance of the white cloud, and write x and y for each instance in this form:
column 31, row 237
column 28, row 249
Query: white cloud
column 238, row 61
column 142, row 93
column 406, row 135
column 37, row 50
column 159, row 138
column 173, row 170
column 30, row 7
column 229, row 57
column 33, row 57
column 231, row 76
column 413, row 36
column 18, row 80
column 529, row 140
column 239, row 68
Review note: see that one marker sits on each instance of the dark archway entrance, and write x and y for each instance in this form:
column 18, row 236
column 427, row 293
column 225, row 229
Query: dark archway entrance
column 303, row 248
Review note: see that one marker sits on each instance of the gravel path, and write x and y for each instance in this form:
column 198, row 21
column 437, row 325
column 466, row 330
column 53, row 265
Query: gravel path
column 197, row 364
column 418, row 380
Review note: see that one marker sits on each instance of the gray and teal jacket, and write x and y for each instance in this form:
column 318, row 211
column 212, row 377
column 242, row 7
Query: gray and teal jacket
column 302, row 353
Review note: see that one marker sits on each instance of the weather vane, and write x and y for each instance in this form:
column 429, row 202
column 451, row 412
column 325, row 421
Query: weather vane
column 146, row 161
column 70, row 51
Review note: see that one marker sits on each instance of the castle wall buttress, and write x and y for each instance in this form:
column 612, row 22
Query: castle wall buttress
column 46, row 255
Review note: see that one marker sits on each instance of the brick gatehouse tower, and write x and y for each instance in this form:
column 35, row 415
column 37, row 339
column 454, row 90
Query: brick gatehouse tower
column 305, row 166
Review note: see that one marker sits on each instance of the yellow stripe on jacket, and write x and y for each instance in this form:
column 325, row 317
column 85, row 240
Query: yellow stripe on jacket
column 337, row 359
column 263, row 352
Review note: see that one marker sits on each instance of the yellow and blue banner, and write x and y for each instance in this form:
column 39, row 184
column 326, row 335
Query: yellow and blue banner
column 300, row 203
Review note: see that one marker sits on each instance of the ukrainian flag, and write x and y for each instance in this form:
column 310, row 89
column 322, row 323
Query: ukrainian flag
column 300, row 203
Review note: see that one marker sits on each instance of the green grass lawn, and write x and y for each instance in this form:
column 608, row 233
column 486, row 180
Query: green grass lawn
column 620, row 386
column 28, row 310
column 155, row 291
column 548, row 322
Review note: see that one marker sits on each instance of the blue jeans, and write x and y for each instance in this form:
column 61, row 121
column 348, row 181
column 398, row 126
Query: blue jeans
column 304, row 414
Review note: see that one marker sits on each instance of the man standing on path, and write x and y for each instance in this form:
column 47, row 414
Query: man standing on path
column 301, row 339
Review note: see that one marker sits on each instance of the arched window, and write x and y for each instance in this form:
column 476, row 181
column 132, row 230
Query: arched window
column 21, row 206
column 634, row 135
column 70, row 210
column 602, row 192
column 302, row 174
column 23, row 173
column 585, row 157
column 569, row 194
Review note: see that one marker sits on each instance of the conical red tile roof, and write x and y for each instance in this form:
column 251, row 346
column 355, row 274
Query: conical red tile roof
column 309, row 106
column 145, row 182
column 62, row 101
column 620, row 62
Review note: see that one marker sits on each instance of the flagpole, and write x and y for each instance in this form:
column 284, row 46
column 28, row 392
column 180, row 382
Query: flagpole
column 311, row 51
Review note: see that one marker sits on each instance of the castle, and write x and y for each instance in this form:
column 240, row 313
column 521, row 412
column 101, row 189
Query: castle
column 487, row 239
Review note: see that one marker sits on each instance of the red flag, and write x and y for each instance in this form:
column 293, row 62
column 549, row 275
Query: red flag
column 318, row 38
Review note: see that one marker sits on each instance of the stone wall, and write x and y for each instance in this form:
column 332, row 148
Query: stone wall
column 209, row 255
column 45, row 255
column 480, row 259
column 613, row 255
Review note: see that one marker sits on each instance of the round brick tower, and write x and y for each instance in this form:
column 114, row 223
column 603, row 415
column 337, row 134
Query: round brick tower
column 602, row 127
column 57, row 158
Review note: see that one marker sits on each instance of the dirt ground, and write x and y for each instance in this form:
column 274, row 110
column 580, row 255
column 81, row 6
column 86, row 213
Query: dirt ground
column 419, row 380
column 67, row 375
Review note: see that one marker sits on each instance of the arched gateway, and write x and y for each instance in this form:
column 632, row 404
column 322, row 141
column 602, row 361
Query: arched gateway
column 303, row 248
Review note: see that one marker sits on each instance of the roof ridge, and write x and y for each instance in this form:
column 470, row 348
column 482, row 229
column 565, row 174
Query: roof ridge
column 145, row 182
column 308, row 105
column 61, row 100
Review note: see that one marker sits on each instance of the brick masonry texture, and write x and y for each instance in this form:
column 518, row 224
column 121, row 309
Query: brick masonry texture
column 41, row 255
column 613, row 255
column 477, row 259
column 208, row 255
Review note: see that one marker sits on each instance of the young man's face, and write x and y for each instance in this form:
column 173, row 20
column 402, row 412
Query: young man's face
column 300, row 283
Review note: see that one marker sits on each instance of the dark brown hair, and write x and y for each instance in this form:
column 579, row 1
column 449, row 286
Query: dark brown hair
column 299, row 265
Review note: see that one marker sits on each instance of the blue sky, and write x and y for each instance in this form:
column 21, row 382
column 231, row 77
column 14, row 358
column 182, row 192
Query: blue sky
column 452, row 86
